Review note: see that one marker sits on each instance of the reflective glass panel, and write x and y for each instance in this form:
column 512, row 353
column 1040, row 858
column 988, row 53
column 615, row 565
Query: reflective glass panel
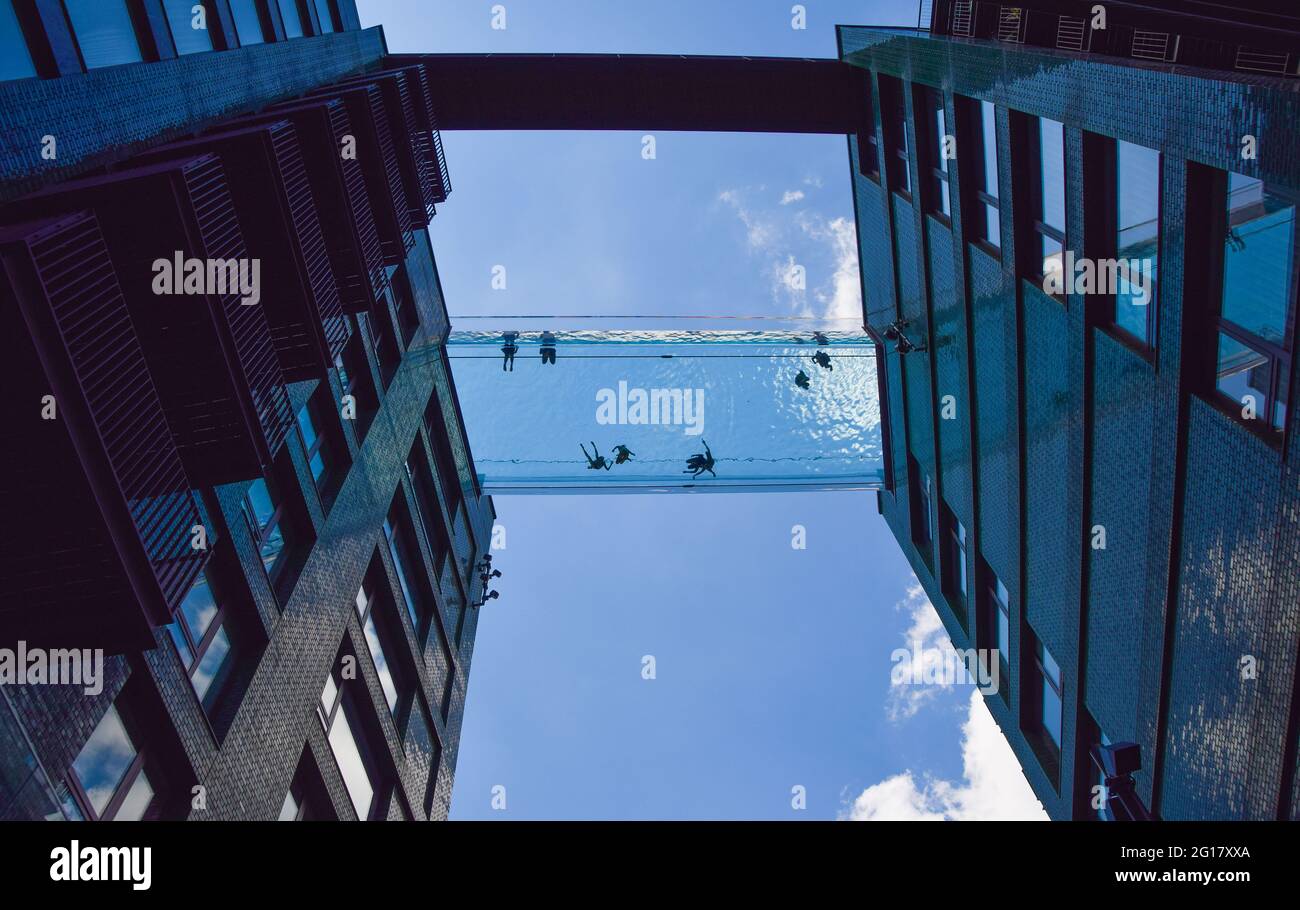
column 989, row 128
column 105, row 32
column 1051, row 137
column 180, row 16
column 104, row 759
column 292, row 19
column 1259, row 258
column 248, row 24
column 15, row 58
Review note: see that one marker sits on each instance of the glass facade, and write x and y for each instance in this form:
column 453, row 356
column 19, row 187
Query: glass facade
column 337, row 718
column 181, row 19
column 989, row 226
column 1137, row 238
column 1050, row 190
column 1050, row 704
column 15, row 58
column 109, row 772
column 248, row 21
column 1257, row 319
column 202, row 638
column 325, row 15
column 292, row 17
column 105, row 32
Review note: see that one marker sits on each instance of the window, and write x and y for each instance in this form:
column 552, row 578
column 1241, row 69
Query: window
column 366, row 610
column 1104, row 812
column 15, row 58
column 435, row 426
column 354, row 376
column 427, row 508
column 326, row 16
column 293, row 19
column 1000, row 601
column 408, row 317
column 922, row 516
column 387, row 353
column 248, row 21
column 1257, row 313
column 938, row 193
column 1049, row 694
column 868, row 153
column 322, row 455
column 894, row 122
column 956, row 584
column 1048, row 141
column 267, row 522
column 1137, row 187
column 108, row 777
column 983, row 127
column 406, row 563
column 339, row 718
column 105, row 32
column 202, row 638
column 188, row 39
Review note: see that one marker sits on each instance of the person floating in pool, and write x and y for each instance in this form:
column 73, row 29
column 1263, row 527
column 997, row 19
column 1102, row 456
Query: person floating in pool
column 801, row 380
column 509, row 350
column 820, row 338
column 548, row 353
column 596, row 461
column 698, row 464
column 822, row 359
column 622, row 454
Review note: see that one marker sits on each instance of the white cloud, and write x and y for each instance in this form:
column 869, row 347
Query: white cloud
column 827, row 248
column 812, row 180
column 993, row 787
column 907, row 698
column 842, row 299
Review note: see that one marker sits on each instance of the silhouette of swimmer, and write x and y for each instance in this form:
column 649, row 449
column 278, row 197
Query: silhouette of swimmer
column 598, row 461
column 548, row 353
column 801, row 380
column 622, row 454
column 822, row 359
column 698, row 464
column 820, row 338
column 509, row 350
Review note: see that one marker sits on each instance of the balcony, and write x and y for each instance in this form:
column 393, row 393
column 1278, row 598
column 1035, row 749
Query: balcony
column 211, row 357
column 339, row 188
column 403, row 92
column 377, row 153
column 98, row 551
column 273, row 200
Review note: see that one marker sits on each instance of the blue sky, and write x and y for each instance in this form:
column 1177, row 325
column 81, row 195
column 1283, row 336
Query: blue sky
column 771, row 664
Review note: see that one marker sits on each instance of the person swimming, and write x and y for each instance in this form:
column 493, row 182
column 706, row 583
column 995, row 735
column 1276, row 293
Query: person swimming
column 698, row 464
column 596, row 461
column 822, row 359
column 801, row 380
column 548, row 353
column 820, row 338
column 622, row 454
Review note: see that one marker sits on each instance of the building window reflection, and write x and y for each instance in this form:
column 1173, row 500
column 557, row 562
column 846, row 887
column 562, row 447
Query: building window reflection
column 181, row 19
column 105, row 32
column 1137, row 188
column 108, row 775
column 15, row 57
column 1257, row 309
